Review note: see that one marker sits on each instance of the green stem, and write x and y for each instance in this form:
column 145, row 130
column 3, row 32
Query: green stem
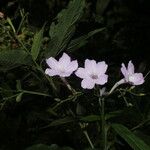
column 81, row 125
column 115, row 86
column 37, row 66
column 86, row 135
column 103, row 123
column 49, row 79
column 68, row 85
column 35, row 93
column 88, row 138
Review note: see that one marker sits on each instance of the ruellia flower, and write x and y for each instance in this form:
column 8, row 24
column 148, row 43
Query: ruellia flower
column 130, row 76
column 1, row 15
column 92, row 73
column 64, row 67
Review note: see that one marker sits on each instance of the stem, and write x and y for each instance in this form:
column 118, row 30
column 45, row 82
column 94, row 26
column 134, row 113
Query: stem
column 35, row 93
column 82, row 126
column 49, row 79
column 116, row 85
column 103, row 123
column 87, row 136
column 25, row 91
column 37, row 66
column 68, row 85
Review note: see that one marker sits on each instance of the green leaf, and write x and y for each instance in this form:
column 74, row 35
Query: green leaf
column 60, row 122
column 91, row 118
column 37, row 42
column 10, row 59
column 113, row 114
column 81, row 41
column 135, row 142
column 145, row 137
column 62, row 32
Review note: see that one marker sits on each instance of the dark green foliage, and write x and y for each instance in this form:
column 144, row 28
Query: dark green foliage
column 8, row 59
column 38, row 112
column 62, row 32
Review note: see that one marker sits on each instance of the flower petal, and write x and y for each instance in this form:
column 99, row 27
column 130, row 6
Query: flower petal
column 87, row 84
column 130, row 67
column 52, row 62
column 101, row 67
column 90, row 66
column 136, row 79
column 102, row 79
column 51, row 72
column 72, row 66
column 124, row 70
column 64, row 74
column 81, row 73
column 64, row 60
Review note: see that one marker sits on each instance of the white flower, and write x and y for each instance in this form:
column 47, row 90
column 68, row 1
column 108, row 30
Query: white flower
column 63, row 68
column 130, row 76
column 92, row 73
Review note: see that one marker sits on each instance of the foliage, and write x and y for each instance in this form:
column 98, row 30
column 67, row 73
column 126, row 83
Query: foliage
column 39, row 112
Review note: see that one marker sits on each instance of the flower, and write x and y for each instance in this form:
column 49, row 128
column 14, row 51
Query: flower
column 92, row 73
column 1, row 15
column 63, row 68
column 130, row 76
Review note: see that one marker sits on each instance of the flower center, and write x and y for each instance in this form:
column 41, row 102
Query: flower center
column 93, row 76
column 61, row 69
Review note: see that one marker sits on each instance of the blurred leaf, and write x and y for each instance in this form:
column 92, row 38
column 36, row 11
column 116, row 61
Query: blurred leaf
column 11, row 24
column 62, row 32
column 10, row 59
column 37, row 42
column 60, row 122
column 143, row 136
column 113, row 114
column 91, row 118
column 81, row 41
column 101, row 6
column 135, row 142
column 46, row 147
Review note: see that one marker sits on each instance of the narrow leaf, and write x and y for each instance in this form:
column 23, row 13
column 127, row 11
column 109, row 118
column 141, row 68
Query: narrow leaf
column 60, row 122
column 62, row 32
column 37, row 42
column 91, row 118
column 81, row 41
column 135, row 142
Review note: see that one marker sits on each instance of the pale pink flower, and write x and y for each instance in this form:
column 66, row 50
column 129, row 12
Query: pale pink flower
column 92, row 73
column 1, row 15
column 130, row 76
column 64, row 67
